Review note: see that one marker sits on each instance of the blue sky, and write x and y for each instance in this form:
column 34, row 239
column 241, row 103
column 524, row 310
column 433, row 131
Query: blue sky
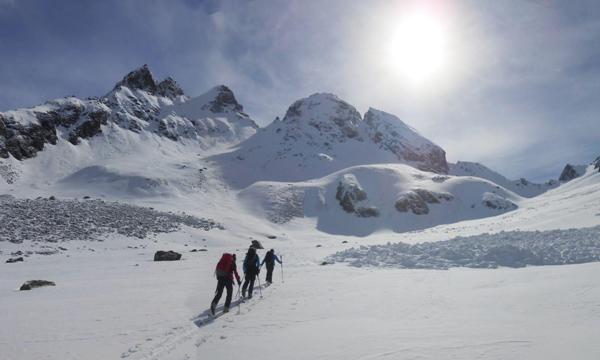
column 522, row 94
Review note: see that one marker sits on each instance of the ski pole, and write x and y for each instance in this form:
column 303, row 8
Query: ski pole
column 239, row 298
column 281, row 264
column 259, row 287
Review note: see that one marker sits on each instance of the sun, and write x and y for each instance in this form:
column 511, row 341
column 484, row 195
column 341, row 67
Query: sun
column 417, row 48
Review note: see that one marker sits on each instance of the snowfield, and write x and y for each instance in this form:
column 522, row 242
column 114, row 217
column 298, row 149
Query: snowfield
column 363, row 210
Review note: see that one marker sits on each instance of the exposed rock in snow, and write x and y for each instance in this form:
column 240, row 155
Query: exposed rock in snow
column 349, row 193
column 167, row 256
column 511, row 249
column 15, row 260
column 416, row 200
column 493, row 201
column 571, row 172
column 396, row 197
column 521, row 186
column 137, row 103
column 405, row 142
column 32, row 284
column 596, row 163
column 322, row 134
column 43, row 220
column 169, row 88
column 141, row 79
column 410, row 200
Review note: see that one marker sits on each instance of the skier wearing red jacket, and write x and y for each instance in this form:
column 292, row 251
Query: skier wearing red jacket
column 225, row 270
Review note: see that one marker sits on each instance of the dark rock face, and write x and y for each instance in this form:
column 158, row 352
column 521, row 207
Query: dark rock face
column 596, row 163
column 169, row 88
column 369, row 211
column 416, row 200
column 224, row 100
column 14, row 260
column 90, row 127
column 570, row 172
column 141, row 79
column 25, row 141
column 410, row 200
column 391, row 134
column 167, row 256
column 349, row 193
column 32, row 284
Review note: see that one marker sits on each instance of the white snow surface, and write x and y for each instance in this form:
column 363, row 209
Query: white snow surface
column 322, row 134
column 522, row 186
column 111, row 301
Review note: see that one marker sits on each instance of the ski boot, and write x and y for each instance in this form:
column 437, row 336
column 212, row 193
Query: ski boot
column 213, row 306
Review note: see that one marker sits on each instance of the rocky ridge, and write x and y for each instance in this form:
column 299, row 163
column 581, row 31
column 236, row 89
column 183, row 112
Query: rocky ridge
column 136, row 103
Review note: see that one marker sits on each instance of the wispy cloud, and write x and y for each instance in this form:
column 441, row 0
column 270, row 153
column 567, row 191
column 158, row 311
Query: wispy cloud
column 521, row 94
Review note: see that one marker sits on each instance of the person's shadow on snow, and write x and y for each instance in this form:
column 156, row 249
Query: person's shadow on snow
column 206, row 317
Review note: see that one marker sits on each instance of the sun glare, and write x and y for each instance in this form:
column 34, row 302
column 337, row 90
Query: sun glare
column 417, row 47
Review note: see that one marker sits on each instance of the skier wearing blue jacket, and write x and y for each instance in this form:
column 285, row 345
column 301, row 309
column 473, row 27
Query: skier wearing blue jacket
column 251, row 270
column 270, row 259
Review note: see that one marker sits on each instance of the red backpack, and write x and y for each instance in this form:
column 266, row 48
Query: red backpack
column 225, row 265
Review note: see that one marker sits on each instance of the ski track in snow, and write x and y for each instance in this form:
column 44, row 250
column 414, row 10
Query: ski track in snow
column 199, row 331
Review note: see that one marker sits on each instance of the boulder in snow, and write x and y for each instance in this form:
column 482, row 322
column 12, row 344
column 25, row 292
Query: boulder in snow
column 410, row 200
column 32, row 284
column 14, row 260
column 496, row 202
column 167, row 256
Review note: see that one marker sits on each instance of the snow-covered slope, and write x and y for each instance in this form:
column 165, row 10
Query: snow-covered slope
column 322, row 134
column 138, row 104
column 363, row 199
column 522, row 186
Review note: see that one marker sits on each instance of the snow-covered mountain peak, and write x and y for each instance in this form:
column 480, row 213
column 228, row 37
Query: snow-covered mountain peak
column 140, row 78
column 596, row 163
column 521, row 186
column 327, row 114
column 391, row 134
column 571, row 172
column 221, row 99
column 169, row 88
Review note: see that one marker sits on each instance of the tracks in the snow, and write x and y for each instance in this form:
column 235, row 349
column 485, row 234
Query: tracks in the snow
column 197, row 328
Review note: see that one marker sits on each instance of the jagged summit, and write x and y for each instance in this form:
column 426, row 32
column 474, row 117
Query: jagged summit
column 596, row 163
column 142, row 79
column 169, row 88
column 137, row 103
column 223, row 99
column 571, row 172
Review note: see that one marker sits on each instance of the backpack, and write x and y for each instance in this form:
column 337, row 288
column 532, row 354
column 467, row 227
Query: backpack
column 250, row 262
column 270, row 258
column 225, row 265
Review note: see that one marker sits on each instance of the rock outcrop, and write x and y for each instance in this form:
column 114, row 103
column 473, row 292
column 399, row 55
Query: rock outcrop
column 136, row 103
column 352, row 197
column 571, row 172
column 416, row 200
column 167, row 256
column 32, row 284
